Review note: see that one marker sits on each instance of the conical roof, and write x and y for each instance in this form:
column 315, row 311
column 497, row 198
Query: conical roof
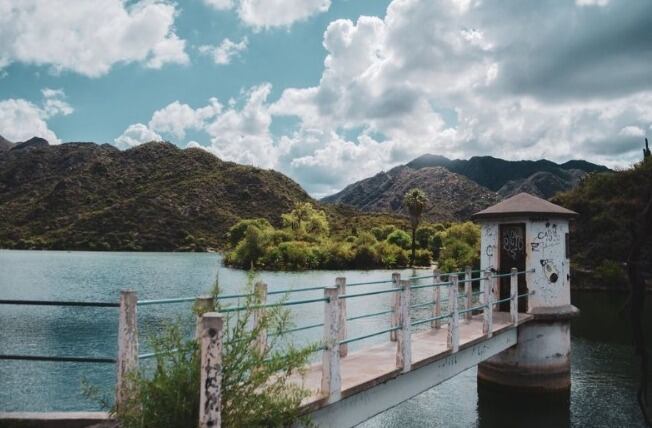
column 523, row 204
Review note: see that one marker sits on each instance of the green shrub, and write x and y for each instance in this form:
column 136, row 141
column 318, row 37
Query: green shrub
column 460, row 246
column 436, row 242
column 456, row 255
column 424, row 236
column 382, row 232
column 611, row 274
column 365, row 239
column 256, row 387
column 400, row 238
column 340, row 255
column 365, row 258
column 305, row 222
column 294, row 255
column 423, row 258
column 390, row 255
column 237, row 231
column 250, row 248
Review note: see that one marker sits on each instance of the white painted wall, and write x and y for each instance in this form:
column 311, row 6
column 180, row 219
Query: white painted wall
column 546, row 253
column 545, row 244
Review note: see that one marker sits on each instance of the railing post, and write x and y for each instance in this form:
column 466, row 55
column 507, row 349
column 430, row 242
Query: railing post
column 127, row 360
column 404, row 340
column 396, row 283
column 487, row 300
column 468, row 291
column 436, row 291
column 341, row 291
column 210, row 383
column 513, row 294
column 331, row 382
column 203, row 304
column 454, row 323
column 260, row 292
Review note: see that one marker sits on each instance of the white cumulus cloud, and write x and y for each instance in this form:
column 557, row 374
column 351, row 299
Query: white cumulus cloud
column 224, row 52
column 21, row 120
column 262, row 14
column 136, row 135
column 176, row 118
column 89, row 37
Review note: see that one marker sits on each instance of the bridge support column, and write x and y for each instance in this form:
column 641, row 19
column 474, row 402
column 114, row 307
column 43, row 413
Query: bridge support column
column 540, row 361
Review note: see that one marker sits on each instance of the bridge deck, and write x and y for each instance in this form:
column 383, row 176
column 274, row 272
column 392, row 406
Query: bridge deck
column 363, row 369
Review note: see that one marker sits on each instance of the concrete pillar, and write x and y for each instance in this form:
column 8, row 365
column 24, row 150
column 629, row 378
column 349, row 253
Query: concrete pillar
column 396, row 283
column 436, row 296
column 468, row 291
column 487, row 301
column 260, row 292
column 513, row 294
column 453, row 338
column 331, row 381
column 203, row 304
column 127, row 344
column 404, row 342
column 340, row 283
column 210, row 384
column 539, row 363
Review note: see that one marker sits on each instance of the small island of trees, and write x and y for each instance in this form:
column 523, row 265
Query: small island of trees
column 304, row 241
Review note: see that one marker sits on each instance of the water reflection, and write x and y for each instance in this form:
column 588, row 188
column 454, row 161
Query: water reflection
column 498, row 408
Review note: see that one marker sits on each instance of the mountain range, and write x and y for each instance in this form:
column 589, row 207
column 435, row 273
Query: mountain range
column 156, row 196
column 152, row 197
column 457, row 188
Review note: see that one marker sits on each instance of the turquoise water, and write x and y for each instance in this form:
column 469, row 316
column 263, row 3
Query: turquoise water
column 604, row 384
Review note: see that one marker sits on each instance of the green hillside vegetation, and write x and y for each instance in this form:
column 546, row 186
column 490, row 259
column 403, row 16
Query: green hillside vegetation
column 608, row 204
column 305, row 240
column 154, row 197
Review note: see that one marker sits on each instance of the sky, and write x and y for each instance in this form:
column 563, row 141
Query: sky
column 333, row 91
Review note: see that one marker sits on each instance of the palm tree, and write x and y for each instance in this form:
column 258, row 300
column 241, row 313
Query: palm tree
column 415, row 201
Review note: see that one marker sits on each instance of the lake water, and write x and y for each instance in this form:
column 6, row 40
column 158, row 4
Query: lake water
column 604, row 371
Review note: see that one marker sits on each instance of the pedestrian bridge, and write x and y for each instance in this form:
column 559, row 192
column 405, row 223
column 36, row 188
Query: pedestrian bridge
column 349, row 388
column 464, row 327
column 372, row 383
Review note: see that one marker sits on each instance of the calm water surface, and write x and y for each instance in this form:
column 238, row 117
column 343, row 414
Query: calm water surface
column 603, row 366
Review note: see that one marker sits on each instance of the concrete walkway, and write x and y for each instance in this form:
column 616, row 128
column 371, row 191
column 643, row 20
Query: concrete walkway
column 367, row 367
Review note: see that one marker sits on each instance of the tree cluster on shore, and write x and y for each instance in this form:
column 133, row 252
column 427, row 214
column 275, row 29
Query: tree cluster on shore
column 609, row 205
column 304, row 241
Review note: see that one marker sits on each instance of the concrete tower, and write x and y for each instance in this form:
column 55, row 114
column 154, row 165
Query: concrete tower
column 532, row 235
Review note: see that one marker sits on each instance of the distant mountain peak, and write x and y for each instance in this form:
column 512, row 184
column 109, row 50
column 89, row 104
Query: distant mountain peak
column 461, row 185
column 32, row 143
column 5, row 145
column 452, row 196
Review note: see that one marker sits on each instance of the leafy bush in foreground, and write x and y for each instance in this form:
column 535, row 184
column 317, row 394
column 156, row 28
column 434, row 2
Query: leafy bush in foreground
column 256, row 387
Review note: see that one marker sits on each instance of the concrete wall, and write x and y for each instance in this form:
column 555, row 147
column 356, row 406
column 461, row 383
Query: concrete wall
column 546, row 253
column 545, row 246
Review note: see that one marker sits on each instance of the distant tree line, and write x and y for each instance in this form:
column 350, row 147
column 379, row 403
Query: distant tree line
column 304, row 241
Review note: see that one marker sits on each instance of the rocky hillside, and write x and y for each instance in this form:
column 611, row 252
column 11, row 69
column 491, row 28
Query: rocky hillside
column 5, row 144
column 458, row 188
column 494, row 173
column 452, row 196
column 152, row 197
column 543, row 184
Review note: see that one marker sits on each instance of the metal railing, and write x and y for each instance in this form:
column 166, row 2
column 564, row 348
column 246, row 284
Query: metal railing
column 335, row 339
